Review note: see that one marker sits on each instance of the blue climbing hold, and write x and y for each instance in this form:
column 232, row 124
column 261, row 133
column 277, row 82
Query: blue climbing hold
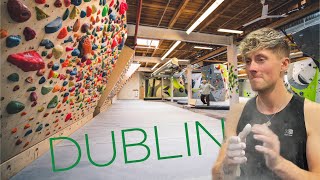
column 68, row 40
column 76, row 2
column 62, row 60
column 39, row 128
column 66, row 14
column 53, row 26
column 28, row 132
column 112, row 17
column 94, row 47
column 47, row 43
column 75, row 52
column 66, row 94
column 73, row 73
column 65, row 83
column 55, row 66
column 13, row 41
column 83, row 14
column 42, row 80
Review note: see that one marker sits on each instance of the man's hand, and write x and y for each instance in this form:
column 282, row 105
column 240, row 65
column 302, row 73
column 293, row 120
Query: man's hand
column 235, row 149
column 270, row 147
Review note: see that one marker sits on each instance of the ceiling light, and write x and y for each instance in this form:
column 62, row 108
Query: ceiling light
column 230, row 31
column 171, row 49
column 202, row 47
column 204, row 15
column 155, row 66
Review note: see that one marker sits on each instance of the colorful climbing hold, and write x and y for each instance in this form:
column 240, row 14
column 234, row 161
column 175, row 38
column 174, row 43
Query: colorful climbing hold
column 55, row 66
column 14, row 130
column 65, row 14
column 41, row 72
column 31, row 89
column 14, row 77
column 104, row 11
column 29, row 80
column 63, row 33
column 57, row 51
column 75, row 52
column 14, row 107
column 76, row 26
column 58, row 3
column 28, row 132
column 67, row 3
column 85, row 27
column 45, row 90
column 13, row 41
column 76, row 2
column 40, row 1
column 16, row 88
column 3, row 33
column 46, row 43
column 75, row 11
column 19, row 141
column 29, row 33
column 53, row 26
column 39, row 128
column 40, row 14
column 33, row 96
column 123, row 8
column 83, row 14
column 27, row 61
column 53, row 103
column 18, row 11
column 42, row 80
column 68, row 117
column 89, row 11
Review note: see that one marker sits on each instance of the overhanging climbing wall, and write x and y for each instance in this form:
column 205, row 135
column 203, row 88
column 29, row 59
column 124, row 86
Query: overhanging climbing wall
column 56, row 58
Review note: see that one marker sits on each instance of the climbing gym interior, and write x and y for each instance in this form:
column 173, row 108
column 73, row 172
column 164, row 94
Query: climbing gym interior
column 111, row 89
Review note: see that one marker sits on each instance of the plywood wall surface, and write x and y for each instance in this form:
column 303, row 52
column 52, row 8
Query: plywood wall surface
column 77, row 82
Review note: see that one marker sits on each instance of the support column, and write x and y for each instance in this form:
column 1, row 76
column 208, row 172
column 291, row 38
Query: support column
column 162, row 88
column 171, row 84
column 233, row 74
column 189, row 78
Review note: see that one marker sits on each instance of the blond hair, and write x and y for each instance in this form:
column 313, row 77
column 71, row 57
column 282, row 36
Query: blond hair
column 265, row 38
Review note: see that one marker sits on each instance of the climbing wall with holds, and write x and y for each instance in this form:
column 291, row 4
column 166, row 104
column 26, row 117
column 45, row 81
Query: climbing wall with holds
column 217, row 76
column 56, row 58
column 303, row 79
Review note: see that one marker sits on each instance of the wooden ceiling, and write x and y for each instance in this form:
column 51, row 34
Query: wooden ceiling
column 231, row 14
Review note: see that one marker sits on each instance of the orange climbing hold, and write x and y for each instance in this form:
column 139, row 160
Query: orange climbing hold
column 56, row 88
column 27, row 126
column 26, row 144
column 23, row 113
column 86, row 46
column 76, row 26
column 3, row 33
column 14, row 130
column 63, row 33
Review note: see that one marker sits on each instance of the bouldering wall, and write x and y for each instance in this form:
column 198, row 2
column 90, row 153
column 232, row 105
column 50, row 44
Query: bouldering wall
column 56, row 58
column 217, row 76
column 303, row 79
column 154, row 87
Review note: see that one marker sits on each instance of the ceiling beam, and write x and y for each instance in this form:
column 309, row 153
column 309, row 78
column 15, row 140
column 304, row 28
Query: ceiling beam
column 177, row 14
column 210, row 54
column 144, row 69
column 296, row 15
column 217, row 15
column 176, row 35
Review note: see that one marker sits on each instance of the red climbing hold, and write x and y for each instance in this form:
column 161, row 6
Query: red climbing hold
column 40, row 1
column 18, row 11
column 3, row 33
column 27, row 126
column 111, row 3
column 68, row 117
column 14, row 130
column 27, row 61
column 58, row 3
column 67, row 3
column 89, row 11
column 123, row 8
column 114, row 43
column 29, row 33
column 63, row 33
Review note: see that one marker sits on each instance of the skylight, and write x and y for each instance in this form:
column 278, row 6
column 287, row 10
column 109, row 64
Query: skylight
column 147, row 43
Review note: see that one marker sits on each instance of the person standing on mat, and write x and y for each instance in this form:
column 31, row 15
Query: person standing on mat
column 275, row 135
column 205, row 92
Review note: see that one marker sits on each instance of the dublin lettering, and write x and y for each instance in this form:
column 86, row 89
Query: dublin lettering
column 126, row 145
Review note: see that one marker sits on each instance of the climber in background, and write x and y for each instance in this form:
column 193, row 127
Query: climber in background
column 205, row 89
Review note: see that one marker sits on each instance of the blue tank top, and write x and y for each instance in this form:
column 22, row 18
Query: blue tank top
column 288, row 125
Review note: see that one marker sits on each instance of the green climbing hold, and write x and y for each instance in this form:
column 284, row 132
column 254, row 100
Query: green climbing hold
column 14, row 107
column 53, row 103
column 31, row 89
column 14, row 77
column 41, row 14
column 105, row 11
column 46, row 90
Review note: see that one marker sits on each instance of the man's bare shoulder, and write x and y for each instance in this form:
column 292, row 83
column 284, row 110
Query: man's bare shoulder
column 312, row 115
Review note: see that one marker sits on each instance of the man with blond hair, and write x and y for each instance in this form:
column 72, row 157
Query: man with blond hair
column 275, row 135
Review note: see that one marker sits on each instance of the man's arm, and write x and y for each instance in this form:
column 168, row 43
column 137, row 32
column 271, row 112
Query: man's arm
column 232, row 120
column 288, row 170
